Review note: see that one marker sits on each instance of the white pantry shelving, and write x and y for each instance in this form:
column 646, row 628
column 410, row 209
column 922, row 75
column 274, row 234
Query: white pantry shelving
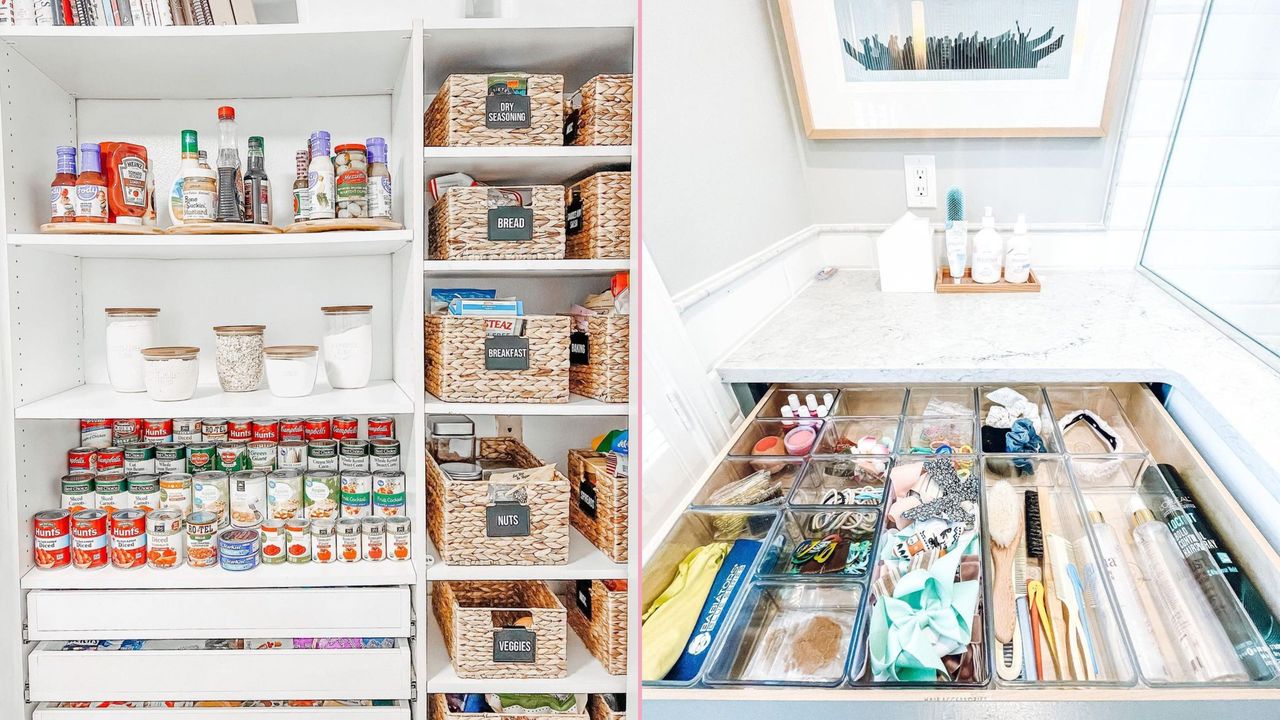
column 577, row 406
column 525, row 268
column 515, row 165
column 263, row 576
column 396, row 710
column 213, row 247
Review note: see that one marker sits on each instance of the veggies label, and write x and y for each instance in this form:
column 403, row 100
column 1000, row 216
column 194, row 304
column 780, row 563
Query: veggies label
column 514, row 645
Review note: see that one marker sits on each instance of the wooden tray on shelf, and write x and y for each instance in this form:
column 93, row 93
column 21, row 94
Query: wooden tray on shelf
column 310, row 226
column 222, row 228
column 942, row 284
column 74, row 228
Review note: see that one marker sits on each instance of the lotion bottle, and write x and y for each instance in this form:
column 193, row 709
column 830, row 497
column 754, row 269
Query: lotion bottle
column 1017, row 262
column 987, row 250
column 957, row 235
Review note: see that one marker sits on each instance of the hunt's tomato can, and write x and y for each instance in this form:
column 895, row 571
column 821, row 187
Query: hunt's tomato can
column 239, row 429
column 381, row 426
column 345, row 427
column 213, row 429
column 95, row 432
column 129, row 539
column 126, row 430
column 52, row 533
column 266, row 429
column 82, row 459
column 157, row 430
column 89, row 539
column 111, row 460
column 292, row 429
column 316, row 428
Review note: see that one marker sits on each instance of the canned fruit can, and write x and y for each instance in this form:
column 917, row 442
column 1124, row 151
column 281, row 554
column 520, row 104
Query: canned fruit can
column 82, row 459
column 238, row 549
column 144, row 492
column 248, row 498
column 233, row 456
column 266, row 429
column 202, row 457
column 187, row 430
column 202, row 539
column 262, row 455
column 111, row 492
column 384, row 454
column 381, row 426
column 176, row 493
column 111, row 459
column 89, row 539
column 128, row 539
column 211, row 492
column 125, row 431
column 171, row 457
column 157, row 430
column 274, row 551
column 373, row 538
column 322, row 455
column 321, row 492
column 284, row 494
column 139, row 457
column 353, row 454
column 324, row 541
column 399, row 537
column 239, row 430
column 213, row 429
column 298, row 540
column 388, row 493
column 344, row 427
column 292, row 428
column 77, row 492
column 51, row 536
column 356, row 488
column 164, row 539
column 291, row 454
column 95, row 432
column 316, row 428
column 348, row 534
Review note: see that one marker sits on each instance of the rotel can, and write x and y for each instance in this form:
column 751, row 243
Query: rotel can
column 316, row 428
column 292, row 428
column 125, row 431
column 213, row 429
column 345, row 427
column 128, row 539
column 52, row 532
column 111, row 460
column 239, row 429
column 202, row 539
column 95, row 432
column 89, row 539
column 266, row 429
column 381, row 426
column 82, row 459
column 157, row 430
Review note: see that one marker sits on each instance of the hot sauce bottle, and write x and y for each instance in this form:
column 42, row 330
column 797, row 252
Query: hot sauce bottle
column 91, row 187
column 62, row 191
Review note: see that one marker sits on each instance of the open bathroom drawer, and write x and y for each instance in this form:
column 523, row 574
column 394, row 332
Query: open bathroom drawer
column 318, row 710
column 1156, row 437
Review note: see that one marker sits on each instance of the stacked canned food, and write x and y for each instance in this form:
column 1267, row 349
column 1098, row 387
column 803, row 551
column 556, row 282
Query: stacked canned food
column 229, row 492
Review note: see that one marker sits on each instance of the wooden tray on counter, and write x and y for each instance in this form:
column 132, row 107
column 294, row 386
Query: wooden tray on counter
column 942, row 284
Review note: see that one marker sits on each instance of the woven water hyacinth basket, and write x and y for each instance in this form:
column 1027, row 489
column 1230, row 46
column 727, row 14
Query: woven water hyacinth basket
column 607, row 374
column 605, row 115
column 456, row 116
column 598, row 709
column 605, row 231
column 458, row 227
column 469, row 613
column 455, row 361
column 605, row 631
column 439, row 710
column 602, row 516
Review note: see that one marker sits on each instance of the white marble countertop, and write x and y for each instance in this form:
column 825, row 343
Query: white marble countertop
column 1082, row 327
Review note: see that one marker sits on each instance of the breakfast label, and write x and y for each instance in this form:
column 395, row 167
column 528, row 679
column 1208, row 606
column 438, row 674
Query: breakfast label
column 506, row 352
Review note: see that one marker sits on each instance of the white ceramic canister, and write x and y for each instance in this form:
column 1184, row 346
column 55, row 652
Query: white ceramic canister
column 128, row 331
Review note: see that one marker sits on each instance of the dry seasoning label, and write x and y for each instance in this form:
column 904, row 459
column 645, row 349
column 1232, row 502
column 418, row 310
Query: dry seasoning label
column 514, row 645
column 512, row 224
column 507, row 519
column 506, row 105
column 506, row 352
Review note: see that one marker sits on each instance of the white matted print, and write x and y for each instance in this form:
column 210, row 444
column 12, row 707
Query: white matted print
column 954, row 68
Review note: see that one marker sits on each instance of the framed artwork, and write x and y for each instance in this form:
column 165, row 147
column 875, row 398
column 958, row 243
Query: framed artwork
column 957, row 68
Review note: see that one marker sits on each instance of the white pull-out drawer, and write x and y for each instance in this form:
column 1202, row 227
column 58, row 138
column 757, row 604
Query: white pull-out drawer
column 278, row 674
column 234, row 612
column 398, row 711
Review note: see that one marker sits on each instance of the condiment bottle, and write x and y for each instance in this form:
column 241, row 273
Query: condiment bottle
column 62, row 190
column 320, row 179
column 379, row 183
column 301, row 196
column 91, row 187
column 230, row 175
column 257, row 187
column 199, row 193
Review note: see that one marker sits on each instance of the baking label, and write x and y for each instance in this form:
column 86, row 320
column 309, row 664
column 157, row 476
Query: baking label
column 506, row 112
column 506, row 352
column 508, row 223
column 573, row 215
column 587, row 497
column 571, row 125
column 507, row 519
column 514, row 645
column 582, row 595
column 579, row 348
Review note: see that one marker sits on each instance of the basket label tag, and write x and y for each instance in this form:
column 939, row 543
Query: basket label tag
column 587, row 496
column 514, row 224
column 573, row 215
column 579, row 348
column 506, row 352
column 515, row 645
column 507, row 519
column 582, row 594
column 506, row 112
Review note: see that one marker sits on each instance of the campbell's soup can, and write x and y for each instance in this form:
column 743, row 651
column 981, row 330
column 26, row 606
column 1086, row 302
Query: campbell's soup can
column 211, row 492
column 384, row 454
column 164, row 539
column 353, row 454
column 398, row 538
column 356, row 486
column 89, row 539
column 77, row 492
column 157, row 430
column 233, row 456
column 111, row 459
column 186, row 430
column 176, row 493
column 202, row 457
column 95, row 432
column 344, row 427
column 111, row 492
column 316, row 428
column 348, row 533
column 213, row 429
column 82, row 459
column 381, row 426
column 125, row 431
column 202, row 539
column 240, row 429
column 266, row 429
column 292, row 428
column 139, row 457
column 322, row 455
column 291, row 454
column 51, row 532
column 144, row 492
column 262, row 455
column 171, row 457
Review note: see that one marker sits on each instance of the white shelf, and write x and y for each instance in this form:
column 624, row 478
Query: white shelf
column 586, row 562
column 585, row 673
column 184, row 247
column 380, row 397
column 385, row 572
column 514, row 165
column 524, row 268
column 577, row 406
column 484, row 46
column 398, row 711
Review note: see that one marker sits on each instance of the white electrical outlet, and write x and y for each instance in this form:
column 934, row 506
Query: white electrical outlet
column 922, row 186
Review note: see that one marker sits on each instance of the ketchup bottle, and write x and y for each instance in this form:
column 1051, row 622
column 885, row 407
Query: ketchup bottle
column 62, row 191
column 91, row 187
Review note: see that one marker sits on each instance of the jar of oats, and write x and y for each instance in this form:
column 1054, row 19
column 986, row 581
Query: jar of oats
column 239, row 357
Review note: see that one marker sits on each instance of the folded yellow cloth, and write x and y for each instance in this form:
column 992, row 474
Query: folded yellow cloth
column 670, row 620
